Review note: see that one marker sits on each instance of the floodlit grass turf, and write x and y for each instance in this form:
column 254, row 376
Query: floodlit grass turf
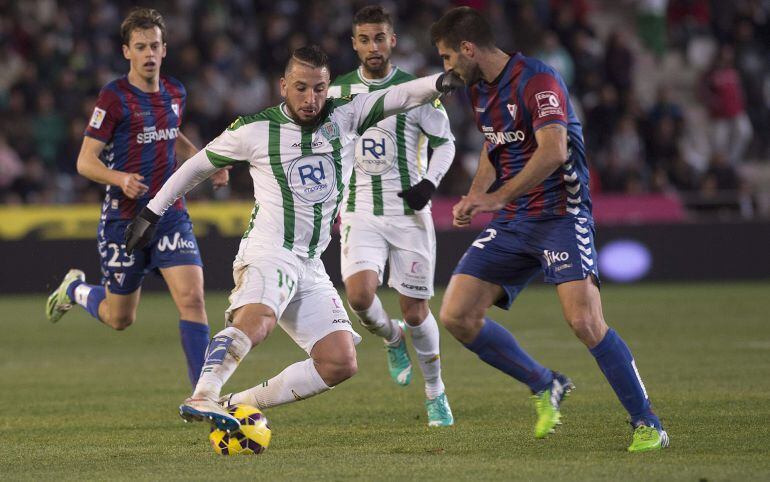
column 79, row 401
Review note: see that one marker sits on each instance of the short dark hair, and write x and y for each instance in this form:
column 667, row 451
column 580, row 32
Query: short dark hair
column 372, row 14
column 312, row 55
column 462, row 24
column 139, row 19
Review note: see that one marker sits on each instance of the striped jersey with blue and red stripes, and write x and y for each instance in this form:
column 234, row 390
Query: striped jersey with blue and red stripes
column 527, row 95
column 139, row 130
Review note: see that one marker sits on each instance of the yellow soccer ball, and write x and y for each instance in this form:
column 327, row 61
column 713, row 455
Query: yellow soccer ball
column 252, row 438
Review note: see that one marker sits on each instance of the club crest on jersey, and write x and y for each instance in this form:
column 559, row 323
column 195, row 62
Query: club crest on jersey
column 312, row 178
column 512, row 109
column 330, row 131
column 375, row 152
column 175, row 108
column 548, row 104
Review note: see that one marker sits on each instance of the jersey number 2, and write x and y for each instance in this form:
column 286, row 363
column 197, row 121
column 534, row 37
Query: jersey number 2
column 479, row 243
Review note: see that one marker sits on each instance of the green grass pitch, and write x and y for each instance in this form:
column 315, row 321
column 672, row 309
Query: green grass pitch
column 79, row 401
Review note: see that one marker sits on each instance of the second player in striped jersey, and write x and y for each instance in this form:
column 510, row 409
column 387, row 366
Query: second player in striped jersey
column 386, row 212
column 294, row 152
column 132, row 144
column 534, row 161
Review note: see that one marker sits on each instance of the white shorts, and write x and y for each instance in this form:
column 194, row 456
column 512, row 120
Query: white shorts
column 298, row 290
column 407, row 243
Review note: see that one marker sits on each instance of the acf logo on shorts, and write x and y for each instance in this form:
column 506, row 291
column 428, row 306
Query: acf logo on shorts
column 375, row 152
column 313, row 178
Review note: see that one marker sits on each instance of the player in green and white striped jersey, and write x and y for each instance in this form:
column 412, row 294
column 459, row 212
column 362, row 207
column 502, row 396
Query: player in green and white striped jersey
column 386, row 211
column 295, row 156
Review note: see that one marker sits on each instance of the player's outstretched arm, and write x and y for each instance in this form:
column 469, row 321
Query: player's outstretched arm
column 371, row 108
column 90, row 166
column 185, row 149
column 192, row 173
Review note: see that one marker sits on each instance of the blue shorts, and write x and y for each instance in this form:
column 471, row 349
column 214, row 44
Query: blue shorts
column 173, row 245
column 511, row 254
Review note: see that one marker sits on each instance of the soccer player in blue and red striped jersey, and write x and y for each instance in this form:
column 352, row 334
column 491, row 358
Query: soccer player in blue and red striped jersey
column 534, row 161
column 131, row 144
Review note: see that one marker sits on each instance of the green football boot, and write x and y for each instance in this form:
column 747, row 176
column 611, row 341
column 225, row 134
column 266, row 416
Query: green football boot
column 399, row 364
column 648, row 437
column 59, row 302
column 547, row 403
column 439, row 413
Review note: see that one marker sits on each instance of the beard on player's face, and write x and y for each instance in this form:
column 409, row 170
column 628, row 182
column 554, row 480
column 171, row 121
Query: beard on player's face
column 468, row 70
column 376, row 64
column 305, row 114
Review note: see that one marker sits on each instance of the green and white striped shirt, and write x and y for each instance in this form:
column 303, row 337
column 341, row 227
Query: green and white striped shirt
column 393, row 155
column 299, row 172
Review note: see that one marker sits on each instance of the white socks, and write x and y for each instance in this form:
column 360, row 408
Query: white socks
column 226, row 350
column 296, row 382
column 425, row 339
column 81, row 294
column 376, row 320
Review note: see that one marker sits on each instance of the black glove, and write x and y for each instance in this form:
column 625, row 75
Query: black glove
column 448, row 82
column 418, row 195
column 141, row 230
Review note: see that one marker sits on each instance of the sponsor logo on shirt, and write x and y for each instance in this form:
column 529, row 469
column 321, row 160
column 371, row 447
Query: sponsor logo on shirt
column 548, row 104
column 502, row 137
column 312, row 178
column 175, row 108
column 375, row 152
column 151, row 134
column 97, row 118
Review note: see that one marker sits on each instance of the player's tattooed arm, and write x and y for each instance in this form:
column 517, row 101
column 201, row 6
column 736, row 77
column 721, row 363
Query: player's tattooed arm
column 550, row 154
column 185, row 149
column 90, row 166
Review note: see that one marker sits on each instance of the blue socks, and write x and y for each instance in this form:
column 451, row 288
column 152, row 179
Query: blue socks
column 87, row 296
column 617, row 364
column 496, row 346
column 195, row 339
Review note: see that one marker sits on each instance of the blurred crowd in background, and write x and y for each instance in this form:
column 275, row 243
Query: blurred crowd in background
column 674, row 95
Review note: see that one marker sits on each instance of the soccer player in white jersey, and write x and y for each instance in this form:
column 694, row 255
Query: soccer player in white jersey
column 386, row 212
column 294, row 152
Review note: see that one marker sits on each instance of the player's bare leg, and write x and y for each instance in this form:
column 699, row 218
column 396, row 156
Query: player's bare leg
column 119, row 311
column 334, row 357
column 251, row 324
column 462, row 312
column 185, row 283
column 582, row 307
column 332, row 361
column 425, row 339
column 361, row 290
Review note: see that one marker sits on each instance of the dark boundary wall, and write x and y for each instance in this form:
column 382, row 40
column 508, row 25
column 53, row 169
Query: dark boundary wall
column 680, row 252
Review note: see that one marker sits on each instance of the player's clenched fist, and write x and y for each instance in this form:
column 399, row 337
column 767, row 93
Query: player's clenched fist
column 141, row 230
column 132, row 185
column 221, row 177
column 460, row 215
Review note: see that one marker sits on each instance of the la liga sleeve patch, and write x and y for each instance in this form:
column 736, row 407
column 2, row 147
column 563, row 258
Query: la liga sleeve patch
column 97, row 118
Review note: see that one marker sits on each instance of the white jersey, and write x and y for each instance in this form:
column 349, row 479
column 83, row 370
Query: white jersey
column 393, row 155
column 299, row 172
